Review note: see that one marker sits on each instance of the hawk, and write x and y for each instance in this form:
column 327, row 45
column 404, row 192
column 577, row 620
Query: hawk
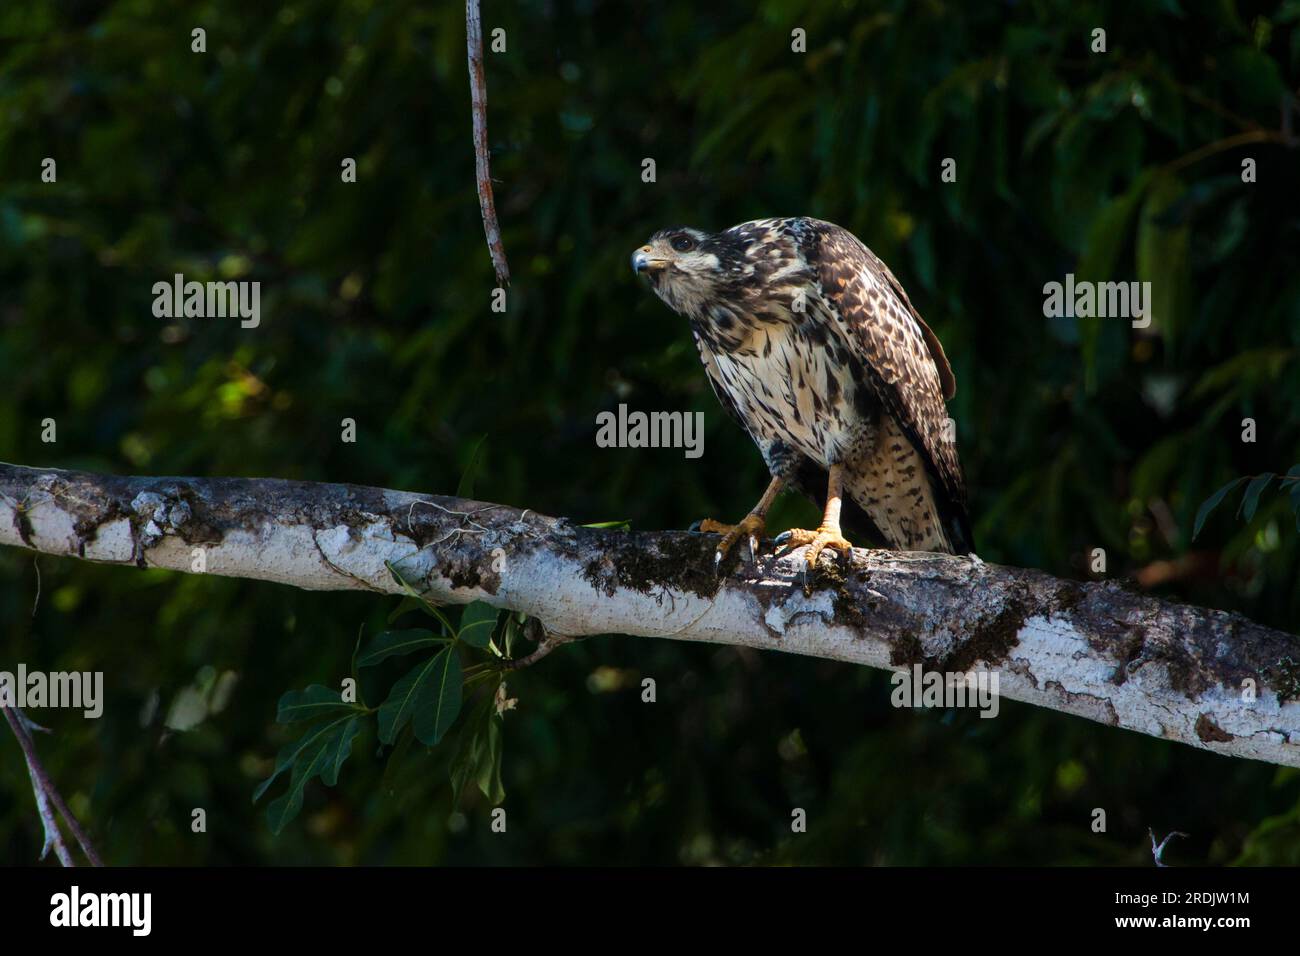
column 812, row 345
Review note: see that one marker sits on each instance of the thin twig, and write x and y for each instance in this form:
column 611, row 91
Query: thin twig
column 478, row 104
column 49, row 822
column 1158, row 850
column 46, row 795
column 1230, row 142
column 37, row 601
column 548, row 643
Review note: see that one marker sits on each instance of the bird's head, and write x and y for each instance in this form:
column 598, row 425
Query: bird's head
column 689, row 268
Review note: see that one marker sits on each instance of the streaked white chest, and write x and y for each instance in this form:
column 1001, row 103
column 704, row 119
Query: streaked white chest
column 790, row 388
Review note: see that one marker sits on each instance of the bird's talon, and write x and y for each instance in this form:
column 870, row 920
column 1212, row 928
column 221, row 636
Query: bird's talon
column 817, row 541
column 751, row 526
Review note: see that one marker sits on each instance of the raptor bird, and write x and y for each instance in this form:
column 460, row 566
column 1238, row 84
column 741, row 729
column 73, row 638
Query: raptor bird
column 812, row 345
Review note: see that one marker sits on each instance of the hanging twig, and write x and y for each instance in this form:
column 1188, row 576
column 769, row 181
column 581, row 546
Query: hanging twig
column 478, row 104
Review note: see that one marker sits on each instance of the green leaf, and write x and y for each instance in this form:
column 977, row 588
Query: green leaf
column 323, row 756
column 473, row 741
column 395, row 643
column 623, row 525
column 402, row 698
column 473, row 752
column 1211, row 503
column 465, row 489
column 477, row 622
column 407, row 605
column 429, row 693
column 510, row 636
column 1099, row 257
column 488, row 775
column 1250, row 500
column 439, row 701
column 310, row 703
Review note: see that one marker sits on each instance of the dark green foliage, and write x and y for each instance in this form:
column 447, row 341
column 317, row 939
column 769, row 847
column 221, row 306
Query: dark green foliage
column 427, row 698
column 1075, row 433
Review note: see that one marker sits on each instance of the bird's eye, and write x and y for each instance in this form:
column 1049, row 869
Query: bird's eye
column 683, row 243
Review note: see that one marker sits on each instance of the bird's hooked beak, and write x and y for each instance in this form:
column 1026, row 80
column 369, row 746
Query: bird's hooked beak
column 643, row 261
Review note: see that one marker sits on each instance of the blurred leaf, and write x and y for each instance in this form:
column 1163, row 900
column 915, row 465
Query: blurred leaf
column 465, row 487
column 489, row 769
column 1211, row 503
column 1250, row 500
column 1162, row 255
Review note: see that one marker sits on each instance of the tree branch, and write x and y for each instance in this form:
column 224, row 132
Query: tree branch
column 1096, row 650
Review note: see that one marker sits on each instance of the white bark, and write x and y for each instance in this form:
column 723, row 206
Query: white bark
column 1097, row 650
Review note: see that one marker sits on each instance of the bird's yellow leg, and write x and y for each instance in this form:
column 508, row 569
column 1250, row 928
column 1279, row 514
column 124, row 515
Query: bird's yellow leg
column 752, row 526
column 828, row 535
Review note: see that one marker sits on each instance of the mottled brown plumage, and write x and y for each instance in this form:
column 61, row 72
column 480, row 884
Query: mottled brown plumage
column 814, row 348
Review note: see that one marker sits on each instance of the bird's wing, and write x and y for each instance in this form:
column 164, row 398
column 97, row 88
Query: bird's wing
column 904, row 362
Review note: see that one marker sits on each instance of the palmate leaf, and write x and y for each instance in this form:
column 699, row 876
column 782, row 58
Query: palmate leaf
column 290, row 753
column 1212, row 502
column 429, row 693
column 396, row 643
column 320, row 753
column 477, row 622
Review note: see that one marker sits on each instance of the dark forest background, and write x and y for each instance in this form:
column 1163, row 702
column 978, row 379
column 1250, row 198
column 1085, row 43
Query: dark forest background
column 1075, row 434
